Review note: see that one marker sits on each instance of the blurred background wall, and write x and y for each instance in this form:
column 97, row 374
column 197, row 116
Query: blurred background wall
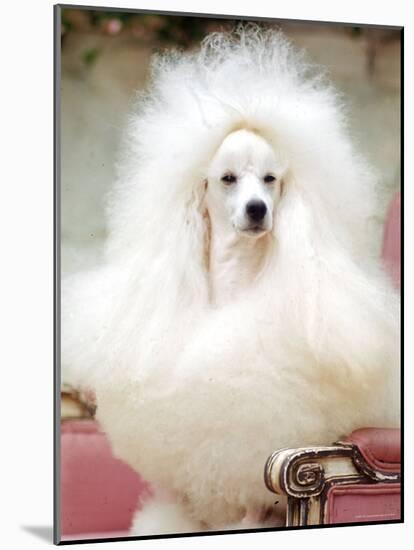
column 105, row 59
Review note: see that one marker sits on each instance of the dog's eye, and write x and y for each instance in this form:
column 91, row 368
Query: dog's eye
column 269, row 178
column 229, row 179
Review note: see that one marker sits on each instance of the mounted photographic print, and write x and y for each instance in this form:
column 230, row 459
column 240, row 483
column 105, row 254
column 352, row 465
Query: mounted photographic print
column 228, row 274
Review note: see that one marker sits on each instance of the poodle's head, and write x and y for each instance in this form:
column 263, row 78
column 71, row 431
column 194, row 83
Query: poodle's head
column 244, row 184
column 252, row 118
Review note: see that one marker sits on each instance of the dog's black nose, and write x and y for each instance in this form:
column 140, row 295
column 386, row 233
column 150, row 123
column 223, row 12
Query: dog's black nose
column 256, row 210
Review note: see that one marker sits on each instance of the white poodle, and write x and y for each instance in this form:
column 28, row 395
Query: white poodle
column 239, row 309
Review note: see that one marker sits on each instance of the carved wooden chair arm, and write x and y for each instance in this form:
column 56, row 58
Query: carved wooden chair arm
column 334, row 484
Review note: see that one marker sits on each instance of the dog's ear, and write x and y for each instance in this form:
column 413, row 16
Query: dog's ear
column 206, row 225
column 282, row 187
column 202, row 204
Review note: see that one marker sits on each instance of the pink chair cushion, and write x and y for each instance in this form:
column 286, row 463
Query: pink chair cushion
column 99, row 493
column 380, row 447
column 362, row 503
column 391, row 249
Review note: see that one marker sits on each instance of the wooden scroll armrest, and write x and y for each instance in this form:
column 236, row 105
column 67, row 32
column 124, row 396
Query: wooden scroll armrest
column 308, row 475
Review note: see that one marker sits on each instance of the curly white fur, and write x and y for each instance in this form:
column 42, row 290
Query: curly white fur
column 196, row 397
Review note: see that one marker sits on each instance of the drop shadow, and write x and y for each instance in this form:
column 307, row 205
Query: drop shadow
column 44, row 532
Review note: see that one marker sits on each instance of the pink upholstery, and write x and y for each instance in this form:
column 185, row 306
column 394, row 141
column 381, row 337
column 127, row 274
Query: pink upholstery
column 380, row 447
column 99, row 493
column 391, row 249
column 362, row 503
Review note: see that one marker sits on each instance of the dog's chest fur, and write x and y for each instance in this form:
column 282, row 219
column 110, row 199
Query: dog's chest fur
column 234, row 264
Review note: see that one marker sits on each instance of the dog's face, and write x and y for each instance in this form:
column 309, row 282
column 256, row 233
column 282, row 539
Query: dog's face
column 244, row 184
